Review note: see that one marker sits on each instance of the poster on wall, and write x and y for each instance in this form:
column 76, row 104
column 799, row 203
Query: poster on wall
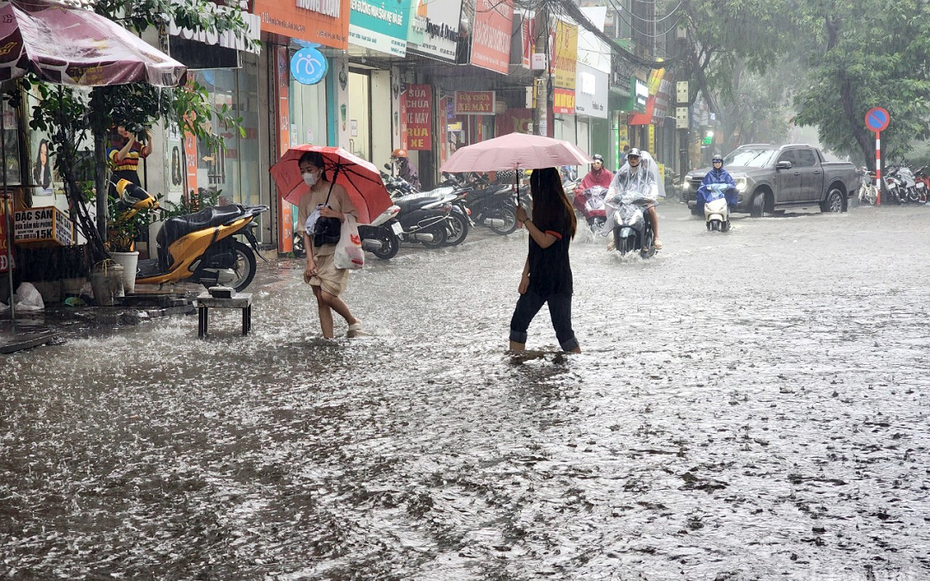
column 177, row 167
column 490, row 48
column 418, row 100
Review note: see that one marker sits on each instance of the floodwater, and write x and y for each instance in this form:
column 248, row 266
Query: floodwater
column 748, row 405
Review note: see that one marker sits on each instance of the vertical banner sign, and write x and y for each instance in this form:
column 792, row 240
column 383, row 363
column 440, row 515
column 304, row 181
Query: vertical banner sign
column 4, row 249
column 490, row 45
column 419, row 124
column 652, row 138
column 526, row 33
column 403, row 119
column 285, row 209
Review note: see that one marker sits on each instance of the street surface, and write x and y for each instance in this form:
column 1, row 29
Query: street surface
column 748, row 405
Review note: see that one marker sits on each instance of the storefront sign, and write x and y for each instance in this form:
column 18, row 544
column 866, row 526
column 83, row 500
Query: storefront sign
column 592, row 92
column 324, row 22
column 640, row 91
column 380, row 25
column 565, row 55
column 285, row 208
column 46, row 225
column 474, row 102
column 434, row 27
column 490, row 47
column 226, row 39
column 563, row 101
column 308, row 66
column 419, row 117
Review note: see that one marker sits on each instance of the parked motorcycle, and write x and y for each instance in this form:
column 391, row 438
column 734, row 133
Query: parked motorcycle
column 716, row 209
column 630, row 224
column 202, row 247
column 493, row 205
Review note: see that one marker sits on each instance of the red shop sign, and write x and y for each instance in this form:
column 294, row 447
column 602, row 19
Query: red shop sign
column 419, row 117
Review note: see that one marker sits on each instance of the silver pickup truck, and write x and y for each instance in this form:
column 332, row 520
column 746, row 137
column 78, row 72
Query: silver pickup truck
column 771, row 177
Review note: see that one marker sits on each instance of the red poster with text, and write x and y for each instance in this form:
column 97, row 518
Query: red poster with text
column 419, row 118
column 285, row 209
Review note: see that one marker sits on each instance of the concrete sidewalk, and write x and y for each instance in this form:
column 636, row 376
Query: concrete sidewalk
column 58, row 322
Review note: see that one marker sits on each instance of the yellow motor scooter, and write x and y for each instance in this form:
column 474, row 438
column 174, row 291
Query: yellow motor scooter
column 201, row 247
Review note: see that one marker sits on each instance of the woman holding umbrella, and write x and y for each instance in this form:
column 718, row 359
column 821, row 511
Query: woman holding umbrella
column 547, row 273
column 327, row 281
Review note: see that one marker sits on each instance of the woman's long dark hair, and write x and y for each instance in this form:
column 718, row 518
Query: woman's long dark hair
column 549, row 200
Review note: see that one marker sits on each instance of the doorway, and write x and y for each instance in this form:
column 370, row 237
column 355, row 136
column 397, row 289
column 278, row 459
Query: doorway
column 360, row 114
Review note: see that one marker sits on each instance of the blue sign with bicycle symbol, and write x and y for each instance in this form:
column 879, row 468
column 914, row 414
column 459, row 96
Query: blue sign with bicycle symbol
column 308, row 66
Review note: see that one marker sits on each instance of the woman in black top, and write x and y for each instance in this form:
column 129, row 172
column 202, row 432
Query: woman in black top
column 547, row 274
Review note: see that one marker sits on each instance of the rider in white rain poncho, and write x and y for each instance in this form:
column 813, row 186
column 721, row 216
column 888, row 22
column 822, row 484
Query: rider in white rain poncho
column 639, row 174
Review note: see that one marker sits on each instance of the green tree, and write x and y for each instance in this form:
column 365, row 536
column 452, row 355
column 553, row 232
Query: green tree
column 73, row 115
column 867, row 54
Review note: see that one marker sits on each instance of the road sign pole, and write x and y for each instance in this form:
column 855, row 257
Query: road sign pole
column 878, row 168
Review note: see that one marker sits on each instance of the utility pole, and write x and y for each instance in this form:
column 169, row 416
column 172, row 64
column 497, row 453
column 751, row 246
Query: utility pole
column 541, row 112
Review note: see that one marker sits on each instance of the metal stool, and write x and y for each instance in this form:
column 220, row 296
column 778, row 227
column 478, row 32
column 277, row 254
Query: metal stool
column 238, row 301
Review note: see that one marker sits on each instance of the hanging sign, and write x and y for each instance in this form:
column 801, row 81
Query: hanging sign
column 474, row 102
column 308, row 66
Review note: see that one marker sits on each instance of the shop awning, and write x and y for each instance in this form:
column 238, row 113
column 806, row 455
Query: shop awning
column 644, row 118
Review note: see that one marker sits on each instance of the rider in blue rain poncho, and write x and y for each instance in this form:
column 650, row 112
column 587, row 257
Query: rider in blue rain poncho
column 717, row 175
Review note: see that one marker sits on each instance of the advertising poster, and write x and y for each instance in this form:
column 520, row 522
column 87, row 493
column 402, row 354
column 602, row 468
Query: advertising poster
column 419, row 118
column 474, row 102
column 565, row 55
column 176, row 169
column 490, row 48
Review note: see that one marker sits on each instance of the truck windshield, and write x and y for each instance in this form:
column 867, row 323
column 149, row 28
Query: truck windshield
column 750, row 157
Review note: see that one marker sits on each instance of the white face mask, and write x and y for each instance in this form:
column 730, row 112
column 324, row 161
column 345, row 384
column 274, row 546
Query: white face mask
column 311, row 178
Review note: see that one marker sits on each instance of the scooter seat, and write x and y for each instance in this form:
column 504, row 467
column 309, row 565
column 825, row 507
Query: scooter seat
column 415, row 202
column 176, row 228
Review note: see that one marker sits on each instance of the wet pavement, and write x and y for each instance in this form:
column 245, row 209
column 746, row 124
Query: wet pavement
column 748, row 405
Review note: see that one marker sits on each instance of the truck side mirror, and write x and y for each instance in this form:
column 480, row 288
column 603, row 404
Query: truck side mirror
column 783, row 165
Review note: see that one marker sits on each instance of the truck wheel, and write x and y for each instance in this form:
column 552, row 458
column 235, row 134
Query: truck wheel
column 834, row 201
column 758, row 206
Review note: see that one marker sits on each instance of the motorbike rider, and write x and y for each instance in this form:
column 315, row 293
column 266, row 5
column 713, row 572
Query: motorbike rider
column 717, row 175
column 598, row 176
column 405, row 168
column 638, row 175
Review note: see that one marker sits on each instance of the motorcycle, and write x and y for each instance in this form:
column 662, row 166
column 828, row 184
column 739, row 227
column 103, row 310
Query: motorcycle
column 629, row 224
column 422, row 217
column 201, row 247
column 590, row 204
column 716, row 209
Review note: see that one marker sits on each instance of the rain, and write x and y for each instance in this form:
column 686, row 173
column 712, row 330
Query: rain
column 747, row 405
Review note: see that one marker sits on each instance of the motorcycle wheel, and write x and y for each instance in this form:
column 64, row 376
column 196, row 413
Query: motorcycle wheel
column 244, row 267
column 597, row 224
column 913, row 195
column 456, row 229
column 298, row 244
column 389, row 244
column 648, row 249
column 506, row 213
column 725, row 226
column 438, row 231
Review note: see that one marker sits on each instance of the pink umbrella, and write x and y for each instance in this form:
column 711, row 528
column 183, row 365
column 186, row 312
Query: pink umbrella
column 73, row 46
column 515, row 151
column 361, row 179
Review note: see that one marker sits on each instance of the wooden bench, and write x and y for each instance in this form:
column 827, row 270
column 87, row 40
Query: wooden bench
column 238, row 301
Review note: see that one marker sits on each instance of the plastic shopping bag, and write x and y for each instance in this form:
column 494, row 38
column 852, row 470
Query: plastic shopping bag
column 349, row 254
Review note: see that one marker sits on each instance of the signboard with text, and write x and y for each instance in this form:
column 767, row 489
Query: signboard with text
column 4, row 204
column 490, row 45
column 474, row 102
column 565, row 55
column 434, row 27
column 380, row 25
column 563, row 101
column 419, row 119
column 322, row 21
column 42, row 226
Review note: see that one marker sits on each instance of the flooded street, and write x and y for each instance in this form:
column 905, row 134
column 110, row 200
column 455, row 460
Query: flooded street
column 748, row 405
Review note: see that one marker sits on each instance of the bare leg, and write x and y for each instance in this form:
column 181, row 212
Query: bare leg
column 326, row 313
column 517, row 347
column 338, row 305
column 655, row 222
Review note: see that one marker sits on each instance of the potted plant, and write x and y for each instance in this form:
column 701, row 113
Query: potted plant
column 123, row 228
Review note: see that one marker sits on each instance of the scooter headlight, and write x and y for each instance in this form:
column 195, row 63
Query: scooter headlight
column 740, row 184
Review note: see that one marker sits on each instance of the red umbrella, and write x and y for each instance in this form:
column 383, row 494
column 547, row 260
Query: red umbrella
column 361, row 179
column 74, row 46
column 515, row 151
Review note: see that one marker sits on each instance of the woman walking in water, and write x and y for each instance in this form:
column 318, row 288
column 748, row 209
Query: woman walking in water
column 547, row 274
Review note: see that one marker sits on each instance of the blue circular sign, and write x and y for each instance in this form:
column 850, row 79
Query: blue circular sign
column 308, row 66
column 877, row 119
